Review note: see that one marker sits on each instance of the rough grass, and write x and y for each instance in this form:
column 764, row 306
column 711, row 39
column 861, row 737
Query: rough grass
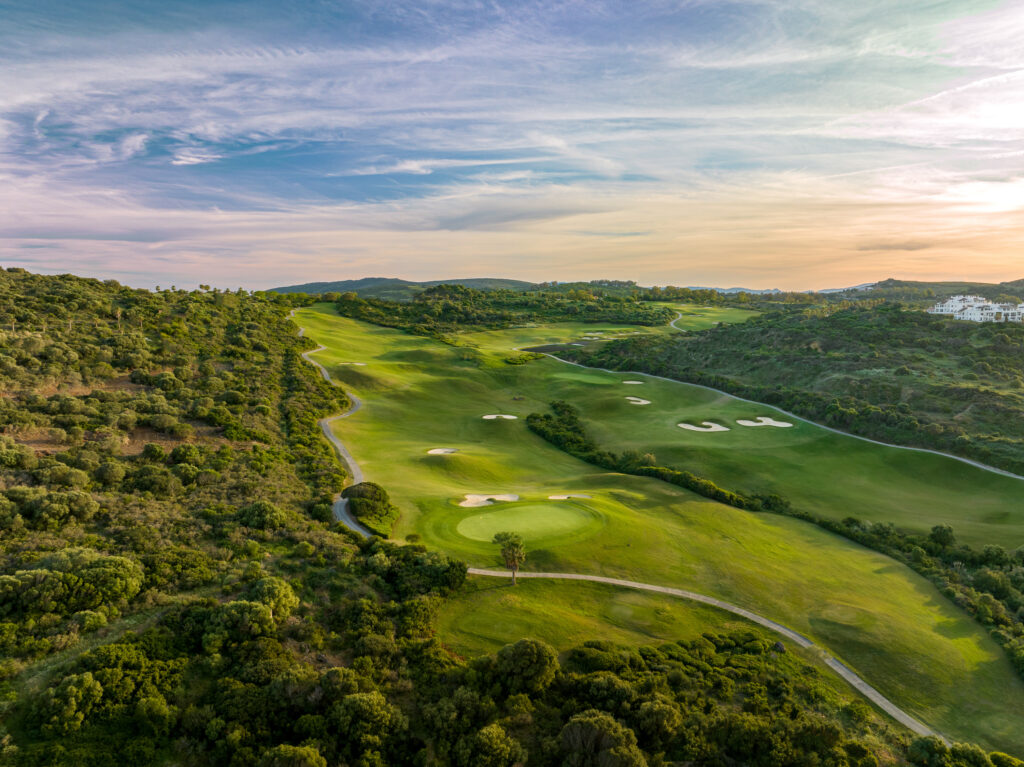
column 889, row 624
column 489, row 611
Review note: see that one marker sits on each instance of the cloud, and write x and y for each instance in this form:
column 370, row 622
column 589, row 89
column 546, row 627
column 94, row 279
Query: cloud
column 744, row 140
column 909, row 245
column 194, row 157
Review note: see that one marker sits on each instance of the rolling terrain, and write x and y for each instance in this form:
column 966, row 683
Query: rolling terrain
column 890, row 625
column 394, row 289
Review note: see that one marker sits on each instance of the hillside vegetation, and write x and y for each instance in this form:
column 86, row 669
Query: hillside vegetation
column 885, row 372
column 174, row 591
column 922, row 294
column 394, row 289
column 446, row 309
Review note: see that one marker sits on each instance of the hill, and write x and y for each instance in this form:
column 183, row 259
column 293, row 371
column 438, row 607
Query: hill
column 883, row 372
column 395, row 289
column 174, row 590
column 923, row 293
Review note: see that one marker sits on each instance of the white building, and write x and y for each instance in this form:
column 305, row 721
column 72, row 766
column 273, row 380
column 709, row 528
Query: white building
column 978, row 309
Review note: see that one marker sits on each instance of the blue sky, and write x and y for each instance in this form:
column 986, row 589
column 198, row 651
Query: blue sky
column 799, row 144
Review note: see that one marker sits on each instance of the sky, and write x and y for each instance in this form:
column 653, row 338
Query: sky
column 797, row 144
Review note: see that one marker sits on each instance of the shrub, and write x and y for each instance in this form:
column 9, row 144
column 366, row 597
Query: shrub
column 262, row 515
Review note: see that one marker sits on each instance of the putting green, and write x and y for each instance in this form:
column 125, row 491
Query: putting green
column 533, row 521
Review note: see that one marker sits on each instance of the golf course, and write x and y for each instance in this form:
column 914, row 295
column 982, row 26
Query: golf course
column 887, row 623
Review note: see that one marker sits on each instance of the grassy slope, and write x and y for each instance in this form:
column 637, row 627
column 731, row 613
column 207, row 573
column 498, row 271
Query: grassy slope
column 934, row 380
column 829, row 474
column 703, row 317
column 889, row 624
column 488, row 612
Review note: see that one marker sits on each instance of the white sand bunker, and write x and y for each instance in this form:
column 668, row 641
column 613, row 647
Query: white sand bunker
column 638, row 401
column 361, row 364
column 567, row 496
column 577, row 344
column 765, row 421
column 496, row 416
column 442, row 451
column 473, row 500
column 705, row 426
column 633, row 383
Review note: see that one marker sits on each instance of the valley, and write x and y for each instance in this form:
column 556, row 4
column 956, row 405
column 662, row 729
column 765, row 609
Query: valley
column 876, row 615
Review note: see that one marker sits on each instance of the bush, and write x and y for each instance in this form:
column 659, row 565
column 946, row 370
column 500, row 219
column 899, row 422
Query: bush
column 262, row 515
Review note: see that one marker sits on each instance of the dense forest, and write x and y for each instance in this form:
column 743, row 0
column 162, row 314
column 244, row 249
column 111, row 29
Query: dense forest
column 175, row 591
column 881, row 370
column 394, row 289
column 445, row 309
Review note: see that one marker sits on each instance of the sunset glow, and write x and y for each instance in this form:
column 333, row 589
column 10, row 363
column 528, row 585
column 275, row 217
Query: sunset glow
column 804, row 144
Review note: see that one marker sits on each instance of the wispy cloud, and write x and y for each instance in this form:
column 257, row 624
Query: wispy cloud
column 651, row 140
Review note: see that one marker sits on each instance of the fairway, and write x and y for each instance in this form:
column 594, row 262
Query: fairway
column 823, row 472
column 884, row 621
column 535, row 522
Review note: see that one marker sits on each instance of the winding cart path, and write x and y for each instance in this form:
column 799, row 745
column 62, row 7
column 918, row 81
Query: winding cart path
column 844, row 671
column 341, row 512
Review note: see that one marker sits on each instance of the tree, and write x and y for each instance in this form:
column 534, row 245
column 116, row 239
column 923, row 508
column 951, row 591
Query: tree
column 276, row 594
column 527, row 666
column 292, row 756
column 595, row 739
column 262, row 515
column 942, row 535
column 489, row 747
column 512, row 551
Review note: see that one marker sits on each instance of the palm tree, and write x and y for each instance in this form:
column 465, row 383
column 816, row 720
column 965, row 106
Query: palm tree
column 512, row 551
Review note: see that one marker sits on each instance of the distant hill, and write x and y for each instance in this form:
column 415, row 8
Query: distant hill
column 394, row 289
column 914, row 292
column 852, row 288
column 751, row 291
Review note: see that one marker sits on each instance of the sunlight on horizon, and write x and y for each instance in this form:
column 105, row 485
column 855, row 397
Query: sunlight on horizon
column 794, row 145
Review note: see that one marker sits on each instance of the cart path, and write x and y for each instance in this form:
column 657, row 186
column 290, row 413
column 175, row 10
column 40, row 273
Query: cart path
column 341, row 512
column 844, row 671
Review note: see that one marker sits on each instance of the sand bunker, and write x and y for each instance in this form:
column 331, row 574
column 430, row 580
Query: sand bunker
column 638, row 401
column 705, row 426
column 633, row 383
column 472, row 501
column 567, row 496
column 765, row 421
column 495, row 416
column 361, row 364
column 441, row 451
column 577, row 344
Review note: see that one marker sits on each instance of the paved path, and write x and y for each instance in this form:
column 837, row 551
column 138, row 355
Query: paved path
column 341, row 512
column 679, row 316
column 855, row 681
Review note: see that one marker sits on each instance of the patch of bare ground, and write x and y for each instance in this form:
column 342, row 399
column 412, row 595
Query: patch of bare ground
column 203, row 435
column 40, row 440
